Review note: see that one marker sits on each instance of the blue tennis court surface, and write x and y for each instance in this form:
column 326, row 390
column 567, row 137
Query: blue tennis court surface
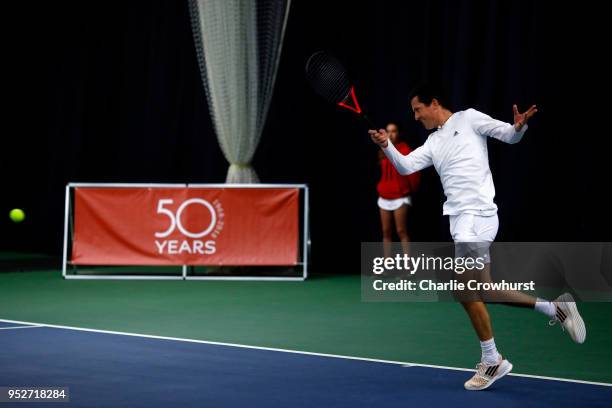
column 112, row 370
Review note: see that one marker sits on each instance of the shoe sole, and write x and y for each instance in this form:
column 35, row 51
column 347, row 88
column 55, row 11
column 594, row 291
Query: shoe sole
column 580, row 328
column 502, row 374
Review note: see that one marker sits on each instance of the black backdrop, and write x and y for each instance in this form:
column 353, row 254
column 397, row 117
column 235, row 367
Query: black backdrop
column 110, row 92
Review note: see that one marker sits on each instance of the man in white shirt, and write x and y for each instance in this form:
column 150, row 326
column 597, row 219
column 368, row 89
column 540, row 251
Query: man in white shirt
column 458, row 151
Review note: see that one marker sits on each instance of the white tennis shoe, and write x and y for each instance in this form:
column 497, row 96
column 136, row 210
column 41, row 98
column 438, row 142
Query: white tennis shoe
column 486, row 375
column 571, row 321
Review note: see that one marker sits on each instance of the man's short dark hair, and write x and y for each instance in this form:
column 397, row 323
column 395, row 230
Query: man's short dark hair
column 428, row 91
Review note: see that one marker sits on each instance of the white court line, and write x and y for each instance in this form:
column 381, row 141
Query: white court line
column 308, row 353
column 19, row 327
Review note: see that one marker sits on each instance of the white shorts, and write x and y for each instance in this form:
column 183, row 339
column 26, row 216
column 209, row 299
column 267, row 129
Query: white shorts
column 473, row 234
column 392, row 205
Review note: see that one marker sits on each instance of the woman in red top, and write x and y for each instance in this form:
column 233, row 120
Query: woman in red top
column 394, row 192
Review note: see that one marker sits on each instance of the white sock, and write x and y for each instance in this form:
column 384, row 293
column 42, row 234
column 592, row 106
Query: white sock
column 546, row 307
column 490, row 356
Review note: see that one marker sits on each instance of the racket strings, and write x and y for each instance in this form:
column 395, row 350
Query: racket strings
column 328, row 78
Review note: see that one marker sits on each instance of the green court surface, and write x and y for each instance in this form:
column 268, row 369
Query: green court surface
column 323, row 315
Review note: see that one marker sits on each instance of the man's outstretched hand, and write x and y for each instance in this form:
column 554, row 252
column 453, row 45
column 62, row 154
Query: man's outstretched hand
column 380, row 137
column 520, row 119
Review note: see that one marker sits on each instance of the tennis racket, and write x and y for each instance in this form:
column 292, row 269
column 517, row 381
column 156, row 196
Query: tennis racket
column 329, row 79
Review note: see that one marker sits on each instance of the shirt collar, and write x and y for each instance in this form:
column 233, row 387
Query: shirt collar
column 450, row 119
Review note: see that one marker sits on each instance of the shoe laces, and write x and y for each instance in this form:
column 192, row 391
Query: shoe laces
column 480, row 378
column 554, row 321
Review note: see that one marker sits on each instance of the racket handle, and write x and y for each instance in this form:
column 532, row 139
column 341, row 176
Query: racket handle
column 369, row 122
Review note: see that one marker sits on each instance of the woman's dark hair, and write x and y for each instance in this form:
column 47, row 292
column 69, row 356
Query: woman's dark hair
column 398, row 125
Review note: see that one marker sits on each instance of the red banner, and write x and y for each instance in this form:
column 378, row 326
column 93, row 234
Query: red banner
column 185, row 226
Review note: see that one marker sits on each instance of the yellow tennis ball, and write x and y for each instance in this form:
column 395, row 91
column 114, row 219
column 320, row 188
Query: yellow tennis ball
column 17, row 215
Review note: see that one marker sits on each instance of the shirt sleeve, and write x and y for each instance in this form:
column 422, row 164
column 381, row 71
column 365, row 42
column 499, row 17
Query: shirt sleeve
column 416, row 160
column 487, row 126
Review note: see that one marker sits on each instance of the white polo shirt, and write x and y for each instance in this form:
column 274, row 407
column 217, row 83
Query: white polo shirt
column 458, row 151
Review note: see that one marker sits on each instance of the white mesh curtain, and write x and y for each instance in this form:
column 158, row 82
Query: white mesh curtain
column 238, row 45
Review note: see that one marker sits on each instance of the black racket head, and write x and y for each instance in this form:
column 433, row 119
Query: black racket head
column 328, row 77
